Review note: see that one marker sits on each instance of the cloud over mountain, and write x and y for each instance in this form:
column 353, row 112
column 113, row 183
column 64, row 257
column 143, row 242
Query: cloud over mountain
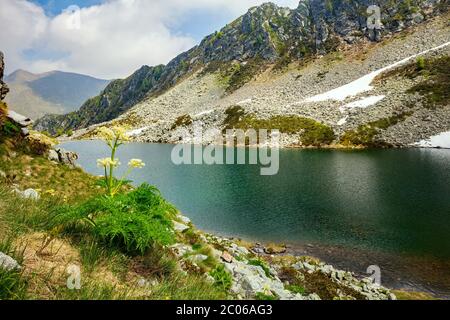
column 113, row 38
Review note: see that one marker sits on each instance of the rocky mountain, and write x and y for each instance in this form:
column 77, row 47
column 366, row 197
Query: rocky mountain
column 3, row 87
column 53, row 92
column 260, row 70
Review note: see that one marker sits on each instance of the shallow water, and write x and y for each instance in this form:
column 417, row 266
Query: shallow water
column 353, row 208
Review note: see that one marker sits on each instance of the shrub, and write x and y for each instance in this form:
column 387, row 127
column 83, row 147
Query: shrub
column 222, row 278
column 420, row 63
column 313, row 133
column 132, row 222
column 296, row 289
column 365, row 135
column 182, row 121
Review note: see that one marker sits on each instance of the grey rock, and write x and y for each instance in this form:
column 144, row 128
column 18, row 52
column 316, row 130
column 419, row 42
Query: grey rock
column 179, row 227
column 53, row 155
column 184, row 219
column 67, row 157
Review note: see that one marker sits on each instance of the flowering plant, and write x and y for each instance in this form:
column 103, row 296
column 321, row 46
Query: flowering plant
column 114, row 138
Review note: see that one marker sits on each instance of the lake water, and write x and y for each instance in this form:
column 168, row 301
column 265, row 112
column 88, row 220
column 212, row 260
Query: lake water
column 351, row 208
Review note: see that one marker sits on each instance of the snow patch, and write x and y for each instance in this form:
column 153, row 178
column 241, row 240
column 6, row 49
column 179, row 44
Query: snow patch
column 363, row 103
column 441, row 140
column 363, row 84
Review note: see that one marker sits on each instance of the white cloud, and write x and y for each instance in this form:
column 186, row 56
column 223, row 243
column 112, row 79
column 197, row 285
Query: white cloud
column 114, row 38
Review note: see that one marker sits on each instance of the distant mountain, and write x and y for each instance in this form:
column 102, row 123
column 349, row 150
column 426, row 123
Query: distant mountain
column 53, row 92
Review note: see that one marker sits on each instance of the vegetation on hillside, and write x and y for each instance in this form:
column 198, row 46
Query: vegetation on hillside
column 119, row 239
column 312, row 133
column 432, row 76
column 365, row 135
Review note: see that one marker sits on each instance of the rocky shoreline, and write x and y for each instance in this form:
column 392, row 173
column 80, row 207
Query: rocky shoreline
column 269, row 271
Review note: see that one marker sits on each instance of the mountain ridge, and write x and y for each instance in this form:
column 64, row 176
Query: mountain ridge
column 266, row 34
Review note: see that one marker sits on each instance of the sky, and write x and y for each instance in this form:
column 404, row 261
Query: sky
column 109, row 39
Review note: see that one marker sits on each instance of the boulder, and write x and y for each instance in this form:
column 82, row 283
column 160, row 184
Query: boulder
column 275, row 249
column 53, row 155
column 226, row 257
column 184, row 219
column 19, row 119
column 67, row 157
column 179, row 227
column 7, row 263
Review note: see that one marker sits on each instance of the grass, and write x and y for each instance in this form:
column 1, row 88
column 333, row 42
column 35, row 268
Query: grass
column 319, row 283
column 410, row 295
column 222, row 278
column 12, row 284
column 365, row 135
column 261, row 296
column 262, row 264
column 182, row 121
column 109, row 269
column 233, row 76
column 312, row 133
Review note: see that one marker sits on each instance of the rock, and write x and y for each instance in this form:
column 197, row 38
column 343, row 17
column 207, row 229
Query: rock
column 28, row 194
column 314, row 297
column 180, row 250
column 210, row 279
column 53, row 155
column 227, row 257
column 67, row 157
column 184, row 219
column 275, row 249
column 179, row 227
column 7, row 263
column 392, row 296
column 19, row 119
column 258, row 250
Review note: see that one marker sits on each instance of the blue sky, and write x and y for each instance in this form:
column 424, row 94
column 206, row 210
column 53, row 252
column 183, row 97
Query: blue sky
column 196, row 24
column 54, row 7
column 112, row 38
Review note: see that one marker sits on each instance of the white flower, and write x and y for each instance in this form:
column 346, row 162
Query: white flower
column 106, row 133
column 136, row 163
column 103, row 163
column 108, row 162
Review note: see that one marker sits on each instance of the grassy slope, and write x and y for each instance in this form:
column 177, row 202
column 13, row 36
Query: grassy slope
column 107, row 272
